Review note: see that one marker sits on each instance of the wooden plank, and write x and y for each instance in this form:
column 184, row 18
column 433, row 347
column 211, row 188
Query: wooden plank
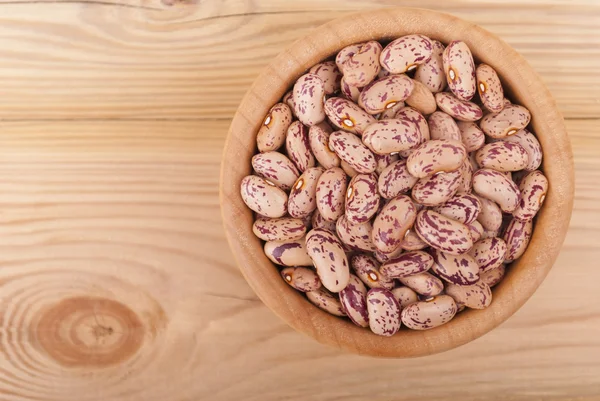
column 117, row 284
column 195, row 59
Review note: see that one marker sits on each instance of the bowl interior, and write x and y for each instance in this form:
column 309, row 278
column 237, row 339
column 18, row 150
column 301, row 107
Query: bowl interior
column 523, row 86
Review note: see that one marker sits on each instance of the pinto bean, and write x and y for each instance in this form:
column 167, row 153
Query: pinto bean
column 271, row 135
column 437, row 189
column 506, row 122
column 533, row 187
column 389, row 136
column 395, row 180
column 443, row 233
column 350, row 149
column 421, row 99
column 288, row 253
column 462, row 207
column 263, row 197
column 435, row 156
column 442, row 126
column 471, row 135
column 354, row 301
column 502, row 156
column 327, row 301
column 460, row 69
column 318, row 139
column 517, row 236
column 383, row 311
column 431, row 73
column 455, row 269
column 497, row 187
column 424, row 284
column 428, row 314
column 367, row 269
column 390, row 225
column 385, row 93
column 406, row 53
column 407, row 264
column 362, row 198
column 488, row 253
column 298, row 147
column 405, row 296
column 329, row 74
column 490, row 88
column 362, row 67
column 329, row 258
column 331, row 192
column 301, row 278
column 475, row 296
column 347, row 115
column 309, row 92
column 303, row 196
column 531, row 145
column 357, row 236
column 281, row 229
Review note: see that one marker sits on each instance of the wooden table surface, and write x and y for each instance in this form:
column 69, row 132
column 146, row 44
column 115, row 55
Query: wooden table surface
column 116, row 279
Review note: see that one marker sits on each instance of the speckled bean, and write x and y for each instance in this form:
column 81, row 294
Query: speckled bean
column 406, row 53
column 490, row 215
column 362, row 67
column 385, row 93
column 460, row 69
column 533, row 187
column 443, row 233
column 354, row 301
column 347, row 115
column 281, row 229
column 329, row 258
column 350, row 92
column 476, row 230
column 517, row 236
column 367, row 269
column 502, row 156
column 384, row 312
column 425, row 315
column 506, row 122
column 531, row 145
column 318, row 139
column 288, row 253
column 421, row 99
column 488, row 253
column 437, row 189
column 309, row 92
column 459, row 109
column 455, row 269
column 489, row 88
column 462, row 207
column 395, row 180
column 471, row 135
column 362, row 198
column 276, row 168
column 344, row 54
column 497, row 187
column 412, row 115
column 405, row 296
column 350, row 149
column 424, row 284
column 271, row 135
column 389, row 136
column 263, row 197
column 436, row 156
column 329, row 74
column 327, row 301
column 493, row 276
column 302, row 199
column 442, row 126
column 383, row 161
column 298, row 147
column 390, row 225
column 412, row 242
column 407, row 264
column 431, row 73
column 357, row 236
column 331, row 192
column 475, row 296
column 301, row 278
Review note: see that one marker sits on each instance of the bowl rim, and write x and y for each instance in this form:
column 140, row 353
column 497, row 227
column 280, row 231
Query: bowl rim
column 524, row 276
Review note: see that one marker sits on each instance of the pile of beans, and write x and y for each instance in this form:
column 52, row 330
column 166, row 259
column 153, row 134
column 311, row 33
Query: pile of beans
column 393, row 184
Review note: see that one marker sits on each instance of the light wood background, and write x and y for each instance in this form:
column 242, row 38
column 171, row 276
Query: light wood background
column 116, row 282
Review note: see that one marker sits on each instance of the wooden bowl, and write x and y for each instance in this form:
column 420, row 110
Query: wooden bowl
column 523, row 86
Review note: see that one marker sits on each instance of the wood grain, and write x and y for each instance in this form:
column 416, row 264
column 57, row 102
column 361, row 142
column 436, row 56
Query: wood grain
column 107, row 215
column 195, row 59
column 127, row 211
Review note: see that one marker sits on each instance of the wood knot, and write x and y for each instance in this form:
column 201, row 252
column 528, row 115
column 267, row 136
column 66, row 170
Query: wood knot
column 89, row 331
